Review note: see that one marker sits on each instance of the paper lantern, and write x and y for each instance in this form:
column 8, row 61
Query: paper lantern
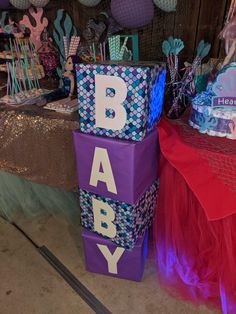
column 90, row 3
column 4, row 4
column 166, row 5
column 132, row 13
column 39, row 3
column 21, row 4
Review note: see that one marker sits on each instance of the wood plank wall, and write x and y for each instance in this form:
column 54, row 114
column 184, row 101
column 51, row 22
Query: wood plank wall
column 193, row 20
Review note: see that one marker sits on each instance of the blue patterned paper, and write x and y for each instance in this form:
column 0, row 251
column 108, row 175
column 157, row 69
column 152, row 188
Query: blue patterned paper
column 142, row 113
column 131, row 221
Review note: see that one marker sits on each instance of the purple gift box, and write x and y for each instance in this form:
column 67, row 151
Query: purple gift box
column 104, row 257
column 133, row 166
column 118, row 221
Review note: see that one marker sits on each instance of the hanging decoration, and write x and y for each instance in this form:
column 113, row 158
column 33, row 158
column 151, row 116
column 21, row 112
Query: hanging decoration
column 166, row 5
column 132, row 13
column 39, row 3
column 90, row 3
column 4, row 4
column 21, row 4
column 3, row 21
column 35, row 31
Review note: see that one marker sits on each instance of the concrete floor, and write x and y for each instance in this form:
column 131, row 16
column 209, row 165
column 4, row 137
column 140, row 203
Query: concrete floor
column 29, row 285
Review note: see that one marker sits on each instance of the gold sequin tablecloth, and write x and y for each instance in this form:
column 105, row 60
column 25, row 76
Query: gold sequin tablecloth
column 38, row 145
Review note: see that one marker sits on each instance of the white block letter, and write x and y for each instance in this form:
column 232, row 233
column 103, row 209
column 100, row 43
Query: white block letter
column 104, row 102
column 101, row 159
column 112, row 260
column 99, row 218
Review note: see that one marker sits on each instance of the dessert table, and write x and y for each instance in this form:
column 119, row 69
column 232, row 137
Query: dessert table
column 195, row 226
column 37, row 160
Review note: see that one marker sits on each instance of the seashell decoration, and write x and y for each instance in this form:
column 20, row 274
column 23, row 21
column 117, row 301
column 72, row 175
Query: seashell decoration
column 225, row 85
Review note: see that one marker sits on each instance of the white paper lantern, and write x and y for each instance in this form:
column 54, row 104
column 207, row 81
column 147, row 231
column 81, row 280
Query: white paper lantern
column 90, row 3
column 39, row 3
column 21, row 4
column 166, row 5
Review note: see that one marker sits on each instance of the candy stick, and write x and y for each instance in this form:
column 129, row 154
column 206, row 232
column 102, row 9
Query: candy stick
column 8, row 79
column 122, row 50
column 75, row 40
column 101, row 52
column 65, row 46
column 94, row 52
column 35, row 74
column 104, row 51
column 17, row 79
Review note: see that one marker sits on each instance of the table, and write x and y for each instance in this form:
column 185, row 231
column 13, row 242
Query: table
column 195, row 226
column 37, row 160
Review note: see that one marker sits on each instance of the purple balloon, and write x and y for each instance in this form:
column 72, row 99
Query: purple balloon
column 132, row 13
column 4, row 4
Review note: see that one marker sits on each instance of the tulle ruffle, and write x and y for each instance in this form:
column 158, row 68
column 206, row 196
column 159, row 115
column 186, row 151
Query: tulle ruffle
column 196, row 257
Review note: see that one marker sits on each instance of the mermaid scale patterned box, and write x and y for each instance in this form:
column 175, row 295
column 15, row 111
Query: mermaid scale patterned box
column 139, row 89
column 117, row 221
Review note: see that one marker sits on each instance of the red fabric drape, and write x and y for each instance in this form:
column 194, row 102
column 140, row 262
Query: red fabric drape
column 209, row 170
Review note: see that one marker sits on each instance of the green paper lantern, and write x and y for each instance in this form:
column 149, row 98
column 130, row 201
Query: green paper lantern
column 90, row 3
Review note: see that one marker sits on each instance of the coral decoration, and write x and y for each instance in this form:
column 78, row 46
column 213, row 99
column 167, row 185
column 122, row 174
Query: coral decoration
column 225, row 85
column 229, row 34
column 132, row 13
column 41, row 24
column 3, row 20
column 232, row 126
column 229, row 31
column 63, row 27
column 21, row 4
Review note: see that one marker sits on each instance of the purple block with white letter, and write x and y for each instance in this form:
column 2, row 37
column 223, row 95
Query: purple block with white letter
column 134, row 165
column 104, row 257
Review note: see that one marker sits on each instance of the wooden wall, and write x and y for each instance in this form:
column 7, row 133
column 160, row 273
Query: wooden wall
column 193, row 20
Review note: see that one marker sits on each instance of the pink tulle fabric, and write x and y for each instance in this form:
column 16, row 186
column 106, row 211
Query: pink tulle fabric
column 196, row 257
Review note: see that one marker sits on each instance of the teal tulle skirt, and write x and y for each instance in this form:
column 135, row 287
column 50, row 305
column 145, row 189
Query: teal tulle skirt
column 19, row 196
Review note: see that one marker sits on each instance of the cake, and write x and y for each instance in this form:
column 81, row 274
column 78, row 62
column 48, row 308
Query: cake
column 214, row 110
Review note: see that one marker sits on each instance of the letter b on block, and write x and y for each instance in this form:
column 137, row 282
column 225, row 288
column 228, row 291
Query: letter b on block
column 104, row 214
column 103, row 102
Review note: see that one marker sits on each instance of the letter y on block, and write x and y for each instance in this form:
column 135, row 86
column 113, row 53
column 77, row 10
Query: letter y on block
column 112, row 260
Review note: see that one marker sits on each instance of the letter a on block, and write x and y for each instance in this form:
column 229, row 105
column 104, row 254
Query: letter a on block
column 101, row 158
column 112, row 260
column 104, row 102
column 104, row 214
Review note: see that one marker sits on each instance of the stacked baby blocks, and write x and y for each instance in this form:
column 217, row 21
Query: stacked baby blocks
column 117, row 178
